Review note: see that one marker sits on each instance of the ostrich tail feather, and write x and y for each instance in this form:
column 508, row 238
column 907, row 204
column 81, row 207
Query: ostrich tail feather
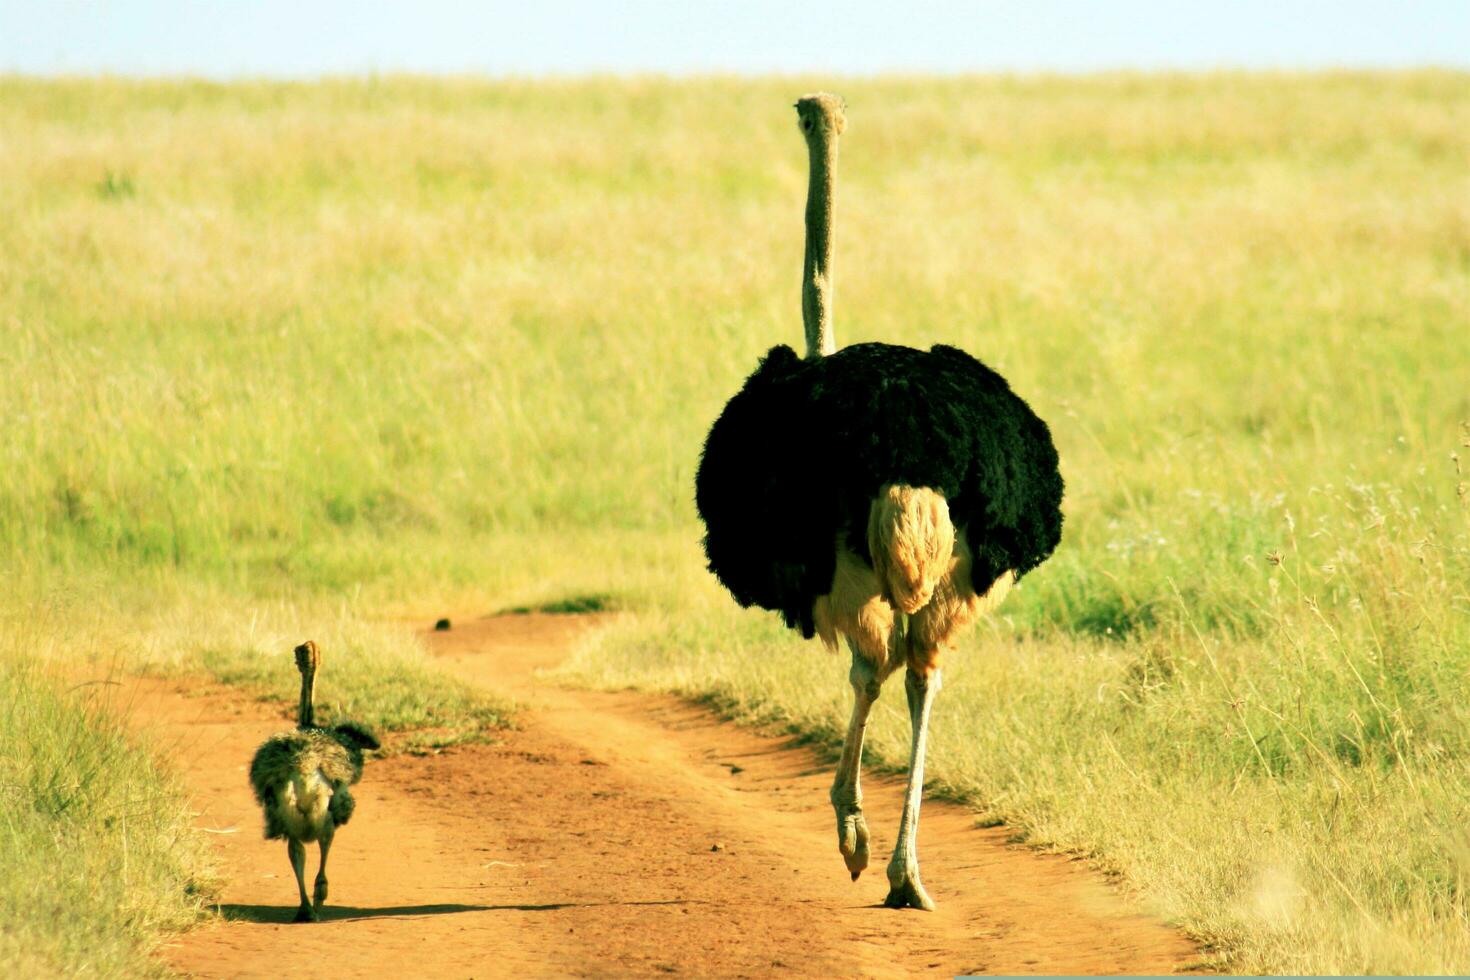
column 302, row 806
column 911, row 539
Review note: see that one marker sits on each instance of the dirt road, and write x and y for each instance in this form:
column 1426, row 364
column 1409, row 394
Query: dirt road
column 617, row 834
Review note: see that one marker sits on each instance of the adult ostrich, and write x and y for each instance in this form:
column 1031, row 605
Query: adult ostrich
column 887, row 494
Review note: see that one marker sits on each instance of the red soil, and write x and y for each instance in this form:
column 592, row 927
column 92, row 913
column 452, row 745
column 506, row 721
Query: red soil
column 617, row 834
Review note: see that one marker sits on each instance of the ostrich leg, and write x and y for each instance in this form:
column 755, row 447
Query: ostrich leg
column 847, row 793
column 297, row 852
column 319, row 893
column 905, row 889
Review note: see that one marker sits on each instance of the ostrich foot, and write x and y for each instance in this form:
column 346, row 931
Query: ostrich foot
column 852, row 838
column 307, row 914
column 319, row 893
column 908, row 893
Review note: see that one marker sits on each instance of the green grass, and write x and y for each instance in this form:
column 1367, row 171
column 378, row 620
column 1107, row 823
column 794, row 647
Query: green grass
column 97, row 844
column 318, row 353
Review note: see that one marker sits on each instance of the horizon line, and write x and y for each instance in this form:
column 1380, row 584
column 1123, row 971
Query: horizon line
column 595, row 74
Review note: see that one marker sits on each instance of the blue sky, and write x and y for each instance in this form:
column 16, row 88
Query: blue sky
column 296, row 38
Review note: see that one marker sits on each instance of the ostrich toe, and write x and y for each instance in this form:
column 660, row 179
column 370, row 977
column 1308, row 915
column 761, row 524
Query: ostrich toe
column 908, row 893
column 852, row 838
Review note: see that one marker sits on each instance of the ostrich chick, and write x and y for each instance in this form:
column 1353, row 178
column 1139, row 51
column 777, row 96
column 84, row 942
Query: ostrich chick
column 301, row 781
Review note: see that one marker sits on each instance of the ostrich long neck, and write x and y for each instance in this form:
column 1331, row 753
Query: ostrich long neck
column 816, row 281
column 305, row 714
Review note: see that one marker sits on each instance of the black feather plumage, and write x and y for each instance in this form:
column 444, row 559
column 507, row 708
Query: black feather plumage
column 798, row 455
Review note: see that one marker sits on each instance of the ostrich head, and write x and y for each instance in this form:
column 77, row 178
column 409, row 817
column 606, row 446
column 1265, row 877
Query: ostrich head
column 821, row 117
column 308, row 657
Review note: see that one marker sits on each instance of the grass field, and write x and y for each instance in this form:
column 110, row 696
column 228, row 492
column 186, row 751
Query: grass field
column 95, row 839
column 286, row 354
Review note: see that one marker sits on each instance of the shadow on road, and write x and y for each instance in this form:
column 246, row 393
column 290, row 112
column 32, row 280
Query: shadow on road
column 332, row 913
column 232, row 912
